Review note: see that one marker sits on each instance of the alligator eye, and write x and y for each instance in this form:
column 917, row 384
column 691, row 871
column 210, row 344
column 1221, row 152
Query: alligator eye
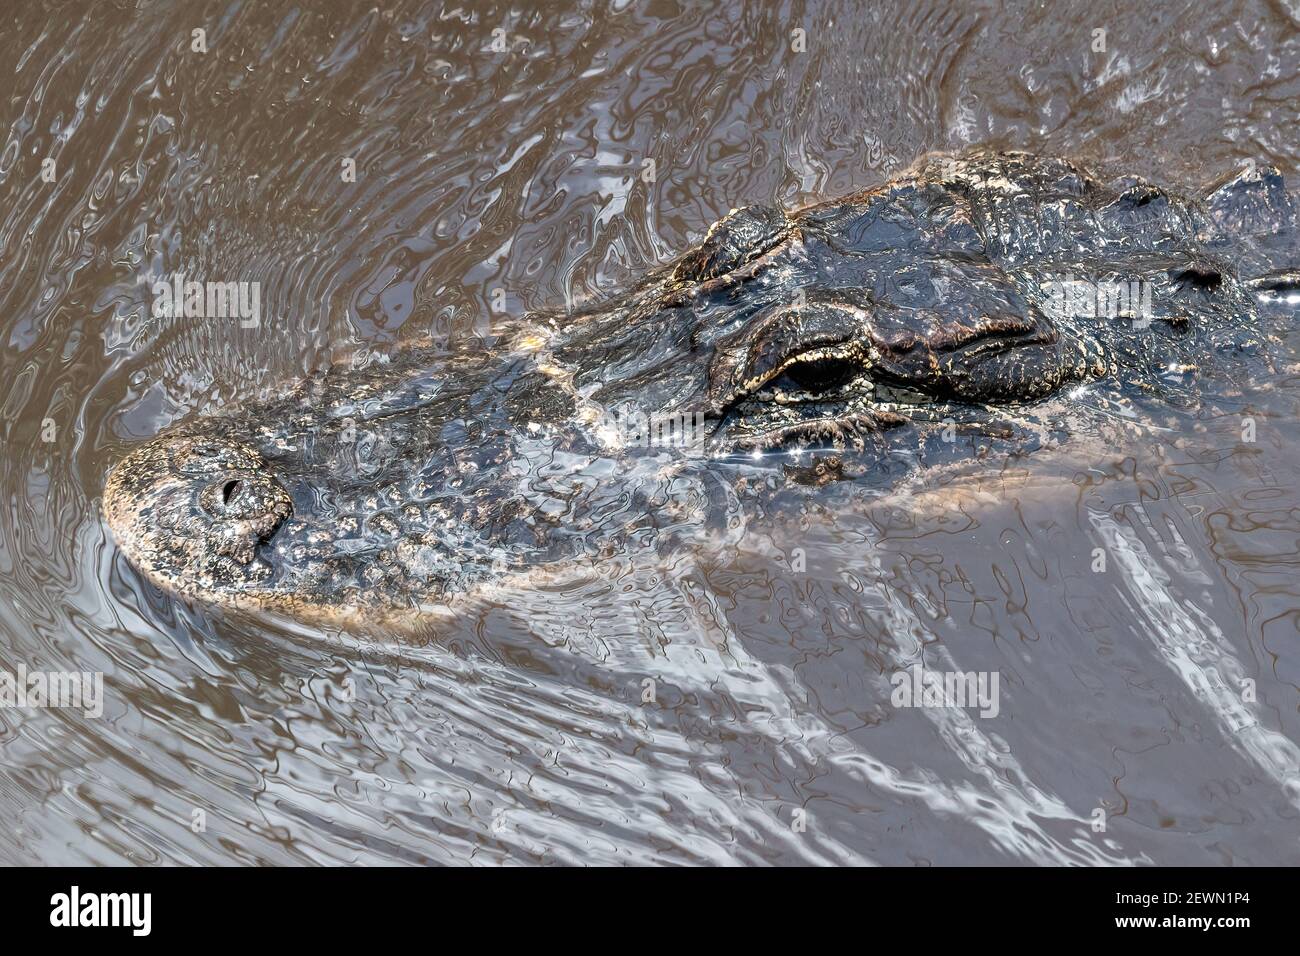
column 818, row 376
column 1203, row 279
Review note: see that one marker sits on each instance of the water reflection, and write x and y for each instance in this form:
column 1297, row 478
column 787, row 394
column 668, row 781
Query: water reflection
column 525, row 729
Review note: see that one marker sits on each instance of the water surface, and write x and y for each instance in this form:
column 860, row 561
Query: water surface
column 519, row 158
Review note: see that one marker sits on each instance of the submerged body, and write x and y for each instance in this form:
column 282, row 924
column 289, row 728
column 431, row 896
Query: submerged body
column 807, row 345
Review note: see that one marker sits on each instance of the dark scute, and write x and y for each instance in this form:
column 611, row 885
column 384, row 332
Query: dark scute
column 738, row 238
column 1252, row 202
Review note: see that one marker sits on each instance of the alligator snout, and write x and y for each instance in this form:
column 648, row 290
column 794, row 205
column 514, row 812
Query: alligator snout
column 195, row 511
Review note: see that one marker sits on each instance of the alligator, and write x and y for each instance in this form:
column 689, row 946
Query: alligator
column 787, row 348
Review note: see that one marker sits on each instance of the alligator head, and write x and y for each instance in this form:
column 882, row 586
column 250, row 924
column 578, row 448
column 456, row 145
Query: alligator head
column 804, row 336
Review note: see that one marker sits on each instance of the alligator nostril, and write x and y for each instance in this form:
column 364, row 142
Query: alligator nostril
column 229, row 490
column 230, row 499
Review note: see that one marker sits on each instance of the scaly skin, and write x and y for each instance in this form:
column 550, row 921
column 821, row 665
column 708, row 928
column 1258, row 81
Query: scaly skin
column 374, row 494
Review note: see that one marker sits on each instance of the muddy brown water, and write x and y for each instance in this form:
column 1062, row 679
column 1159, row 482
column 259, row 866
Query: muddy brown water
column 505, row 148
